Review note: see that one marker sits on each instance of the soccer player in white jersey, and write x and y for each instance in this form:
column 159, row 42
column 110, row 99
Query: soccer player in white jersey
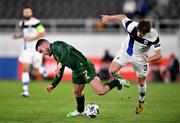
column 135, row 50
column 32, row 30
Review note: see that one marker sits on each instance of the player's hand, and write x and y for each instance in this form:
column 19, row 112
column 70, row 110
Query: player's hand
column 14, row 36
column 146, row 58
column 17, row 36
column 49, row 88
column 106, row 19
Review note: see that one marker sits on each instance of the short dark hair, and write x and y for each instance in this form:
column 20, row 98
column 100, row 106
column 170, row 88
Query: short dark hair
column 39, row 42
column 144, row 26
column 27, row 7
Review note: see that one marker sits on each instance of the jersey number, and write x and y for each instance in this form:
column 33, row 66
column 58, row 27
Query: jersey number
column 145, row 67
column 86, row 75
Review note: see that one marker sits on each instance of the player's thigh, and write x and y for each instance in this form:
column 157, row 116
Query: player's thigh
column 25, row 57
column 114, row 67
column 37, row 60
column 78, row 89
column 26, row 67
column 141, row 69
column 120, row 60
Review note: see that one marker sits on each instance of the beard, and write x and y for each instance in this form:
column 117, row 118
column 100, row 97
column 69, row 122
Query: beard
column 27, row 17
column 50, row 53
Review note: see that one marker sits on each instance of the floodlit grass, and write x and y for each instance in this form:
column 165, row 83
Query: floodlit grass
column 162, row 104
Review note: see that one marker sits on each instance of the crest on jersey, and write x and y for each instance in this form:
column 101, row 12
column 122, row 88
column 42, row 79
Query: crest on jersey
column 145, row 41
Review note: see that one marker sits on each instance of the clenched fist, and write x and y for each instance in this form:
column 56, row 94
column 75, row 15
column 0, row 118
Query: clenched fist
column 49, row 88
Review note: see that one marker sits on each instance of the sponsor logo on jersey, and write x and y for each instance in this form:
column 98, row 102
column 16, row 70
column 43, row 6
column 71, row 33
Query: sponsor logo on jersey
column 145, row 41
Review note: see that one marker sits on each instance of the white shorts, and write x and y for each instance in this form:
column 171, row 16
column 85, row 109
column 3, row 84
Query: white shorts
column 123, row 58
column 31, row 57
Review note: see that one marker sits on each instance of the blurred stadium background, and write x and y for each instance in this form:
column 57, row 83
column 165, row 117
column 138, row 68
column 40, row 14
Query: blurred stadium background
column 78, row 22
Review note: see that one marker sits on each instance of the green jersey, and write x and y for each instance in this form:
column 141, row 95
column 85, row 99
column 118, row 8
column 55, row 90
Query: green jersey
column 67, row 55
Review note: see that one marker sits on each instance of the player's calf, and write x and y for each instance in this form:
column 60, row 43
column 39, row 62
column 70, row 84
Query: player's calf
column 101, row 88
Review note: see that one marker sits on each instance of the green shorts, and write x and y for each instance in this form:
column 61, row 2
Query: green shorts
column 84, row 76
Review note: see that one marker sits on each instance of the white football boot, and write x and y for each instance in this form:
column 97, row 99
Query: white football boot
column 25, row 94
column 75, row 114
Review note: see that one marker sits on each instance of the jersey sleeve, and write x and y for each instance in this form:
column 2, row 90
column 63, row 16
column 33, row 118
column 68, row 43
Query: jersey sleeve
column 20, row 23
column 38, row 25
column 157, row 46
column 154, row 37
column 64, row 51
column 57, row 79
column 128, row 24
column 40, row 28
column 20, row 27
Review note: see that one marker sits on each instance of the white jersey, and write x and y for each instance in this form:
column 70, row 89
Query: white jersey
column 28, row 54
column 30, row 28
column 137, row 46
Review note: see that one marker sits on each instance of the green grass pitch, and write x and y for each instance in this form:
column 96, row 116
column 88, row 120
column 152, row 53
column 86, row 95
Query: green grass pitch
column 162, row 104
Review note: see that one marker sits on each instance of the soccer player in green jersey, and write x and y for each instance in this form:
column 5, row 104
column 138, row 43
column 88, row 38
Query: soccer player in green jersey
column 83, row 71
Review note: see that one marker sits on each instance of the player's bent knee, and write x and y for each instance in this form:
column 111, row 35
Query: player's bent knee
column 114, row 67
column 141, row 80
column 77, row 93
column 100, row 92
column 111, row 72
column 141, row 83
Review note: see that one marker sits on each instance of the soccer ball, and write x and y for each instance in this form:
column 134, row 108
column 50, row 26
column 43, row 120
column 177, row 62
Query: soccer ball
column 91, row 110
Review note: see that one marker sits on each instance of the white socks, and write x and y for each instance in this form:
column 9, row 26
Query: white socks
column 142, row 92
column 25, row 81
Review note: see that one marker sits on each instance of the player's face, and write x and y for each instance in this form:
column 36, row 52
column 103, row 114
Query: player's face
column 27, row 13
column 140, row 34
column 44, row 49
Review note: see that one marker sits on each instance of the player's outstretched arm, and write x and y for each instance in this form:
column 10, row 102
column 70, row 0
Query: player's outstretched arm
column 157, row 55
column 56, row 80
column 107, row 18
